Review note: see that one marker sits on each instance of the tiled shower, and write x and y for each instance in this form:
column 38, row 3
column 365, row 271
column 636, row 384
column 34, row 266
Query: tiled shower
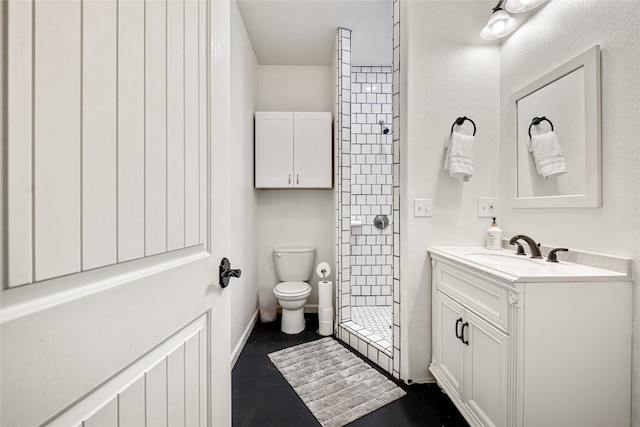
column 371, row 195
column 368, row 164
column 371, row 186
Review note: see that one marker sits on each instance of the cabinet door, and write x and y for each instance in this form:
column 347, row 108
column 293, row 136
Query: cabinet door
column 486, row 369
column 274, row 150
column 449, row 349
column 312, row 150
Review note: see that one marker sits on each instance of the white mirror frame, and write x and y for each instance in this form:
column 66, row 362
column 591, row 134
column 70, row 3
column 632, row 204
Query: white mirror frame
column 590, row 61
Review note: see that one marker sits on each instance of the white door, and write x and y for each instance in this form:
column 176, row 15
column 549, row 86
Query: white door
column 487, row 366
column 111, row 309
column 274, row 149
column 312, row 150
column 449, row 349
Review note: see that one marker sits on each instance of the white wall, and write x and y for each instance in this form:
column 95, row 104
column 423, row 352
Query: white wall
column 295, row 217
column 244, row 206
column 556, row 33
column 446, row 71
column 295, row 88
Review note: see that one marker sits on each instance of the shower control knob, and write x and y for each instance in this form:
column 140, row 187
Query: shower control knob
column 381, row 222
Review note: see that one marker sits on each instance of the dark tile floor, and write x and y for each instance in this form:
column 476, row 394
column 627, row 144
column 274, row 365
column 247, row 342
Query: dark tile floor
column 262, row 397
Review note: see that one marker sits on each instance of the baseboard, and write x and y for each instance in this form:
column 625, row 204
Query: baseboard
column 243, row 339
column 311, row 308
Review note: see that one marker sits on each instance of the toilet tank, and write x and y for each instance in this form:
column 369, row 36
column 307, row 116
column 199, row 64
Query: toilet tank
column 294, row 264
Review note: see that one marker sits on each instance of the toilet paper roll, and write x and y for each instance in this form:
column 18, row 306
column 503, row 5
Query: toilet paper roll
column 323, row 266
column 325, row 294
column 325, row 313
column 326, row 328
column 325, row 321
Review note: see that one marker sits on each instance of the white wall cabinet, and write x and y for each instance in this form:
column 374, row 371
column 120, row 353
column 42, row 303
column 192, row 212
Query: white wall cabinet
column 293, row 150
column 522, row 352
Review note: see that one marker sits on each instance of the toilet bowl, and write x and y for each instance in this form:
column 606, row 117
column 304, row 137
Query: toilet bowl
column 294, row 267
column 292, row 296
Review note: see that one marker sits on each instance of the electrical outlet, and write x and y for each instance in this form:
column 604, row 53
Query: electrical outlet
column 487, row 207
column 422, row 207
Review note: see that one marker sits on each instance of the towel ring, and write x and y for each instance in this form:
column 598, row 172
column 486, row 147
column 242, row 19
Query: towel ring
column 460, row 120
column 536, row 121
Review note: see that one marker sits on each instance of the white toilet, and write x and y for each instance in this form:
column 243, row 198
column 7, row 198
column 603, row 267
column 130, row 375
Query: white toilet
column 294, row 267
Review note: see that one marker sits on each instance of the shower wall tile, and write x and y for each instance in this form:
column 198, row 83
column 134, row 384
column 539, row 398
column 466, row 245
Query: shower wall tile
column 371, row 185
column 343, row 165
column 396, row 186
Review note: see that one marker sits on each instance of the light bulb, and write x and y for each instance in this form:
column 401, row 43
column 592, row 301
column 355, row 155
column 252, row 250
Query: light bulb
column 500, row 24
column 498, row 27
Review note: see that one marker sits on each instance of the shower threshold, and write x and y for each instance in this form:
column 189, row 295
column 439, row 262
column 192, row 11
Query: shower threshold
column 375, row 323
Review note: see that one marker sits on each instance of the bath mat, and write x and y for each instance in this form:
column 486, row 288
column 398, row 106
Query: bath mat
column 336, row 385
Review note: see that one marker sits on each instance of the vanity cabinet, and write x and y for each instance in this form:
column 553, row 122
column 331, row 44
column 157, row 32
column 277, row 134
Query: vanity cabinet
column 473, row 356
column 293, row 150
column 518, row 351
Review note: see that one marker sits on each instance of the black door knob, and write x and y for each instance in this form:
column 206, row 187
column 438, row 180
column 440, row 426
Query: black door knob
column 226, row 272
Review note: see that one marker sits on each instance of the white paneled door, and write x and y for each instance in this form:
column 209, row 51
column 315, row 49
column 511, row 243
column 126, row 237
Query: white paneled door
column 111, row 309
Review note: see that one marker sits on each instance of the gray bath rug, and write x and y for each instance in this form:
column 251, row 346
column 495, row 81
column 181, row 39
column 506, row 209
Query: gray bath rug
column 337, row 386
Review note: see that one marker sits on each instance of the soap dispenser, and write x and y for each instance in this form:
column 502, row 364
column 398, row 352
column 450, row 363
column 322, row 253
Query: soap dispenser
column 494, row 236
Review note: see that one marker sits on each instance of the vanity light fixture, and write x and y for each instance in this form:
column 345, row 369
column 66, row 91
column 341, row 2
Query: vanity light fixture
column 500, row 24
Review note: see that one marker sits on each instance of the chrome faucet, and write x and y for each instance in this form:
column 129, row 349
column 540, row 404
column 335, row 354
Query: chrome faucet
column 533, row 246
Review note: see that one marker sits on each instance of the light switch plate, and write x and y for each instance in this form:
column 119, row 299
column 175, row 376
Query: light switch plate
column 422, row 207
column 488, row 207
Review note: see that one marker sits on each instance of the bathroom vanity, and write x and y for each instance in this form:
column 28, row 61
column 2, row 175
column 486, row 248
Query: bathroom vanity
column 524, row 342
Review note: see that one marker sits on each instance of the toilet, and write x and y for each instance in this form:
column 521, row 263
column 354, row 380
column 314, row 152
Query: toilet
column 294, row 267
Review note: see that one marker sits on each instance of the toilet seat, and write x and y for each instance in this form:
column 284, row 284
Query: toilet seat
column 292, row 289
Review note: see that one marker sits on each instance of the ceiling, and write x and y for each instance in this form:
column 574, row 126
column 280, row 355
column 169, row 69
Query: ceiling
column 302, row 32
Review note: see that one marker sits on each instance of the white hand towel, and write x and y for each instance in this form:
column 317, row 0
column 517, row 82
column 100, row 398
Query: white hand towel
column 459, row 159
column 547, row 154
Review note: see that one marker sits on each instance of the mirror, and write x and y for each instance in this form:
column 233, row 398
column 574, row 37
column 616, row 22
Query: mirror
column 556, row 128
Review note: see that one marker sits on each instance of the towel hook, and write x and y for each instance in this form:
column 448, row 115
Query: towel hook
column 460, row 120
column 536, row 121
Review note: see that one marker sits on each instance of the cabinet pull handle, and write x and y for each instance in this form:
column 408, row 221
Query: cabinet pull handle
column 289, row 178
column 464, row 325
column 459, row 336
column 298, row 179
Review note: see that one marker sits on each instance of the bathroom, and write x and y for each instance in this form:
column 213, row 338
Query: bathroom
column 446, row 70
column 450, row 72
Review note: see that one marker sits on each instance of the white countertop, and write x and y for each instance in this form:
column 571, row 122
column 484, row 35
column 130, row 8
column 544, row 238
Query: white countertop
column 517, row 268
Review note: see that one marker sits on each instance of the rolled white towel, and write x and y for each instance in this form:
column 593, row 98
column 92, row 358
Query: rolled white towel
column 459, row 158
column 547, row 154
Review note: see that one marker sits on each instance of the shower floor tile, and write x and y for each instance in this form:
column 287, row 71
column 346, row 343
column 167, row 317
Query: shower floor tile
column 376, row 319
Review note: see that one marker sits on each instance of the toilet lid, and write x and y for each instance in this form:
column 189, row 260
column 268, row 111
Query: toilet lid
column 292, row 287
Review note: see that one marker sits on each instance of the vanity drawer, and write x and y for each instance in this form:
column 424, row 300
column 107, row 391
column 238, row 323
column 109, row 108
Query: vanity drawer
column 480, row 294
